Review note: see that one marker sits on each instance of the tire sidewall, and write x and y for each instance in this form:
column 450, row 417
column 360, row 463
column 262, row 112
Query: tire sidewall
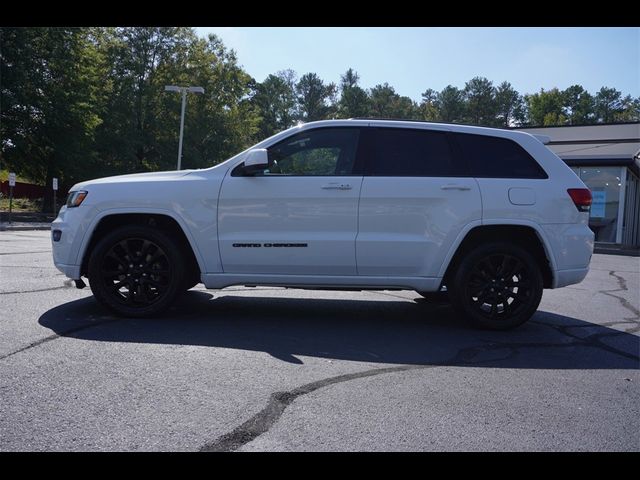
column 170, row 247
column 461, row 277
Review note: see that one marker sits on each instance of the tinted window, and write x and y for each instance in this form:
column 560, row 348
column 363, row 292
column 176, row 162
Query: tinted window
column 497, row 157
column 326, row 151
column 399, row 152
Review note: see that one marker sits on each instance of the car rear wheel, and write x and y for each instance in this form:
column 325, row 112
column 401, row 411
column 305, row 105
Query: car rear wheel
column 136, row 271
column 497, row 286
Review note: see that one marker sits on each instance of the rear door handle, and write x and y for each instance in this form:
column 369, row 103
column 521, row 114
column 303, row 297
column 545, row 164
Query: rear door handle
column 455, row 186
column 337, row 186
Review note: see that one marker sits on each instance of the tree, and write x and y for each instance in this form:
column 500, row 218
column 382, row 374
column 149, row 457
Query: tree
column 430, row 106
column 141, row 127
column 386, row 103
column 579, row 105
column 452, row 105
column 546, row 108
column 631, row 110
column 50, row 78
column 276, row 103
column 354, row 101
column 608, row 105
column 481, row 106
column 313, row 98
column 136, row 134
column 509, row 106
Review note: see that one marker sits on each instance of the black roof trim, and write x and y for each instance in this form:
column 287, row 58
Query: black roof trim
column 589, row 142
column 388, row 119
column 428, row 122
column 578, row 125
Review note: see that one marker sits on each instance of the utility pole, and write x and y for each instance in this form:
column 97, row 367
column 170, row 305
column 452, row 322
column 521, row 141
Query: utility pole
column 183, row 91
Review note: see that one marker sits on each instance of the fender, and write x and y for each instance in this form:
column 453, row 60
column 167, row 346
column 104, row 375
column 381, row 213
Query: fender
column 158, row 211
column 500, row 221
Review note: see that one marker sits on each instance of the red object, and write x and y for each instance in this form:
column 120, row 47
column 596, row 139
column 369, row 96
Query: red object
column 23, row 190
column 581, row 198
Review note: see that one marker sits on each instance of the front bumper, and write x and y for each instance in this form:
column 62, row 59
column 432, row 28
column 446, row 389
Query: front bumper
column 70, row 225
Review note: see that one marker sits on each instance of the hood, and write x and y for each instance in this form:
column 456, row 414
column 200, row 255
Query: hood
column 134, row 177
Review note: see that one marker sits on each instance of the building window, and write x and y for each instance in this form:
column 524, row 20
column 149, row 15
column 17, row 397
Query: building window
column 605, row 185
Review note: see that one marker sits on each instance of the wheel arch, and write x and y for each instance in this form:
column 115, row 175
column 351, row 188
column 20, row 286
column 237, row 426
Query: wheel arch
column 522, row 233
column 162, row 219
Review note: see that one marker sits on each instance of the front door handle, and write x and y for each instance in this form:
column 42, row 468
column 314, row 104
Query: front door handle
column 455, row 186
column 337, row 186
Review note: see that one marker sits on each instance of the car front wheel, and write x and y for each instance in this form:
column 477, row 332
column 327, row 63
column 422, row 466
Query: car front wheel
column 497, row 286
column 136, row 271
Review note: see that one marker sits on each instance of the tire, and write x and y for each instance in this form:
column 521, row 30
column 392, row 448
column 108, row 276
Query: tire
column 436, row 297
column 189, row 284
column 497, row 286
column 136, row 271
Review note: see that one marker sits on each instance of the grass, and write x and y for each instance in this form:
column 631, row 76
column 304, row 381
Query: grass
column 21, row 204
column 4, row 176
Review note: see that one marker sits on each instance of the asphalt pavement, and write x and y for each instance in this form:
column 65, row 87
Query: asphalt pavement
column 273, row 369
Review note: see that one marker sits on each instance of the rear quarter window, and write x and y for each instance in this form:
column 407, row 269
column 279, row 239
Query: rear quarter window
column 495, row 157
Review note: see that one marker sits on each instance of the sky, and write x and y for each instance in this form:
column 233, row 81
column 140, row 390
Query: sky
column 413, row 59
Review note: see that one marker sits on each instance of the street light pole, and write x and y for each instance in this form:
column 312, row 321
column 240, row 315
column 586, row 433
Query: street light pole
column 184, row 104
column 183, row 91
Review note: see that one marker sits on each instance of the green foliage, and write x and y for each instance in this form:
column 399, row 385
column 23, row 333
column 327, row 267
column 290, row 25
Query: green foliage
column 50, row 109
column 20, row 204
column 481, row 105
column 386, row 103
column 546, row 108
column 509, row 106
column 80, row 103
column 314, row 98
column 430, row 106
column 275, row 100
column 579, row 105
column 609, row 104
column 354, row 101
column 452, row 107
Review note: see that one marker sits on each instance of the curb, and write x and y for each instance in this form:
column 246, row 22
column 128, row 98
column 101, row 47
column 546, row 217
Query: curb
column 629, row 252
column 22, row 228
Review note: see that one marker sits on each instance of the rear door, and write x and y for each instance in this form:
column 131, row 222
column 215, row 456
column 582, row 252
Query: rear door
column 300, row 215
column 415, row 200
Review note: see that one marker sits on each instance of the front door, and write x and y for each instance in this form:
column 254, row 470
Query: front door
column 300, row 215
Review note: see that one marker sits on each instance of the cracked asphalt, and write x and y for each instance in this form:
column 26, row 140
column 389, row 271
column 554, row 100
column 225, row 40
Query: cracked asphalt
column 270, row 369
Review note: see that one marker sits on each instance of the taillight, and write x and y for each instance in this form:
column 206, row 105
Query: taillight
column 581, row 198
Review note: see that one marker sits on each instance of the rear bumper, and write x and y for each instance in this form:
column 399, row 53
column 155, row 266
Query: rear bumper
column 572, row 247
column 562, row 278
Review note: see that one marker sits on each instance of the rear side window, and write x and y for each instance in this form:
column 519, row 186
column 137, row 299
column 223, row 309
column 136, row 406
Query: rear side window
column 396, row 152
column 497, row 157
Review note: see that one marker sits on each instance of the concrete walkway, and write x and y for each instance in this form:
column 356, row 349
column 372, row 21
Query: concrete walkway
column 17, row 226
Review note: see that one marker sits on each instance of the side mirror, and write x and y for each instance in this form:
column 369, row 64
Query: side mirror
column 256, row 160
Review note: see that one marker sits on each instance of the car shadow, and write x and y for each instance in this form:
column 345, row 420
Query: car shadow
column 391, row 332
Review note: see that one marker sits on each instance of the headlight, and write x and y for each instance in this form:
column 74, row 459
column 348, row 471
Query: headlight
column 75, row 199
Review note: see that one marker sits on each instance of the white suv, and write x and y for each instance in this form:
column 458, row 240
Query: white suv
column 484, row 217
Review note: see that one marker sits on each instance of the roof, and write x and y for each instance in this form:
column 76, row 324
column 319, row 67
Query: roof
column 605, row 144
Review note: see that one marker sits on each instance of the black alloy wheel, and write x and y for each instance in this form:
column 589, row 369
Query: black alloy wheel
column 498, row 286
column 136, row 271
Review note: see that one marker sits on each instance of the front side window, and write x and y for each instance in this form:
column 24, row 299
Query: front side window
column 398, row 152
column 321, row 152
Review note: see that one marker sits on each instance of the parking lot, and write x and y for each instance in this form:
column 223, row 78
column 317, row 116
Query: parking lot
column 262, row 369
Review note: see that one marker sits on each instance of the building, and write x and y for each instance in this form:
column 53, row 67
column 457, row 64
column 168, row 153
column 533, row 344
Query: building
column 607, row 159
